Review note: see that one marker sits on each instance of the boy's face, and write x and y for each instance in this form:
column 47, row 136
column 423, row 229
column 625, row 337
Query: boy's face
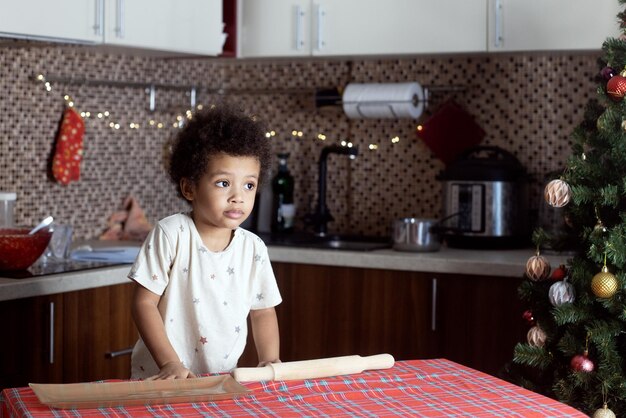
column 224, row 195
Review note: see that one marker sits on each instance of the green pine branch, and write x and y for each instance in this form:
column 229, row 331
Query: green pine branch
column 532, row 356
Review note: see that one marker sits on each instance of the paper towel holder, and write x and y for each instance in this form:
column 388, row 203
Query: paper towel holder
column 381, row 105
column 333, row 97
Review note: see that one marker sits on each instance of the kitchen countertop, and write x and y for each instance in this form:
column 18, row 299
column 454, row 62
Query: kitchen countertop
column 501, row 263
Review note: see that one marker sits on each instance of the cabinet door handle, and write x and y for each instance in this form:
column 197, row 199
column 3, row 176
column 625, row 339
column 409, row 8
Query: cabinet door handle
column 118, row 353
column 433, row 312
column 299, row 28
column 97, row 27
column 120, row 19
column 51, row 333
column 498, row 39
column 321, row 14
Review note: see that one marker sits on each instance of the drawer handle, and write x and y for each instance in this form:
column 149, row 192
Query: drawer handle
column 51, row 333
column 118, row 353
column 433, row 313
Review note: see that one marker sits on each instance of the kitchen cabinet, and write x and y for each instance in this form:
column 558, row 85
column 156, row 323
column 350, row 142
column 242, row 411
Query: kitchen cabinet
column 70, row 337
column 184, row 26
column 336, row 311
column 536, row 25
column 275, row 28
column 477, row 320
column 61, row 20
column 32, row 334
column 190, row 26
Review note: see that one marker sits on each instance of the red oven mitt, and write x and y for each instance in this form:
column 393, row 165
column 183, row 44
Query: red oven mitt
column 68, row 151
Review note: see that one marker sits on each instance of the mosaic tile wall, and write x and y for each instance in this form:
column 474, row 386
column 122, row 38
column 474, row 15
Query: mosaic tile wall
column 526, row 104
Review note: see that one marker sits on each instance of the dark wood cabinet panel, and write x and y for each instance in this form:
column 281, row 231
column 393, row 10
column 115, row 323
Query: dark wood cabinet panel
column 98, row 322
column 32, row 347
column 72, row 347
column 478, row 320
column 335, row 311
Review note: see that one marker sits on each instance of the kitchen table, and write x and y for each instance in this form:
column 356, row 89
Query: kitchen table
column 425, row 388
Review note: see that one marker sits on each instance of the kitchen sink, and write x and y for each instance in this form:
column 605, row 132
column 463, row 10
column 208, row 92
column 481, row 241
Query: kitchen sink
column 333, row 242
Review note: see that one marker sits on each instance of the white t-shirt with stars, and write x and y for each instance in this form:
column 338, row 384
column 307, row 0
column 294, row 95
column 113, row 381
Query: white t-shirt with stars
column 205, row 296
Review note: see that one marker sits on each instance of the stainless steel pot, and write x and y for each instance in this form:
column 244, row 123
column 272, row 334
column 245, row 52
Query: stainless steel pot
column 416, row 234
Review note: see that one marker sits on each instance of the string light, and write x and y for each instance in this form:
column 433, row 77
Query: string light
column 419, row 128
column 188, row 114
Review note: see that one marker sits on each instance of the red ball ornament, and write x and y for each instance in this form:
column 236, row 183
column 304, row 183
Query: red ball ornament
column 528, row 317
column 582, row 363
column 616, row 87
column 559, row 273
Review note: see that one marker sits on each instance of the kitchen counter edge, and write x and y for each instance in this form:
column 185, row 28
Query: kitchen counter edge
column 501, row 263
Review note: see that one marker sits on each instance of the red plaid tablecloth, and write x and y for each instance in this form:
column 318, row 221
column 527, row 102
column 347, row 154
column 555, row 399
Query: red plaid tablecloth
column 425, row 388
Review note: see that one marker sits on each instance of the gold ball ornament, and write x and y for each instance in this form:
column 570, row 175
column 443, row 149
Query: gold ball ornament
column 604, row 412
column 557, row 193
column 604, row 284
column 537, row 268
column 536, row 336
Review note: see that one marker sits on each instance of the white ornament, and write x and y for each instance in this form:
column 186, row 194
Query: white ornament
column 536, row 336
column 557, row 193
column 561, row 292
column 604, row 412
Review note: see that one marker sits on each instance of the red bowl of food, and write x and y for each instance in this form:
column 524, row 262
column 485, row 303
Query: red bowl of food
column 18, row 250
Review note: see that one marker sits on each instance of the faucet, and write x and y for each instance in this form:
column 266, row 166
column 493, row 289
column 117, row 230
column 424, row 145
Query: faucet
column 322, row 216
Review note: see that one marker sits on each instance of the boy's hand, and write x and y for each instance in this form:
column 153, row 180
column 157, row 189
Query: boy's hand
column 173, row 370
column 265, row 363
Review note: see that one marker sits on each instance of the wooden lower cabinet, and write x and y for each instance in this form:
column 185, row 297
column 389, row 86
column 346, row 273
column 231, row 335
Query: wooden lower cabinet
column 67, row 337
column 337, row 311
column 32, row 341
column 98, row 332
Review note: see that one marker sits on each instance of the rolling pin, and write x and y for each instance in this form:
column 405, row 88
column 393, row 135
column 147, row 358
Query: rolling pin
column 312, row 369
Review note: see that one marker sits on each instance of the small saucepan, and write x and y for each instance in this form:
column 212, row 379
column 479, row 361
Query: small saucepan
column 416, row 234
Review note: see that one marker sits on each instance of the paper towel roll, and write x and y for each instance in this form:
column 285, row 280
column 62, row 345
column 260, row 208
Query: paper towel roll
column 384, row 100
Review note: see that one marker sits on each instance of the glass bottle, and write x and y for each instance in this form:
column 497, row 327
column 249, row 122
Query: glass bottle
column 284, row 210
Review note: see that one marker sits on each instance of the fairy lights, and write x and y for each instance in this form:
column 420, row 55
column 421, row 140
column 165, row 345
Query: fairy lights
column 115, row 124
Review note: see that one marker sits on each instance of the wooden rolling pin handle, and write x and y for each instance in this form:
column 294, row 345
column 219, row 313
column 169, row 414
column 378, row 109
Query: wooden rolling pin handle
column 253, row 374
column 312, row 369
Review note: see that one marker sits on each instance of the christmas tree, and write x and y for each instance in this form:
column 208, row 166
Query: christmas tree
column 576, row 346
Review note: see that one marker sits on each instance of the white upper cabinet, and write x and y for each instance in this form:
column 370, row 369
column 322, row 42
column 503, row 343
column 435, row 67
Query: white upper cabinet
column 374, row 27
column 189, row 26
column 61, row 20
column 182, row 26
column 536, row 25
column 275, row 28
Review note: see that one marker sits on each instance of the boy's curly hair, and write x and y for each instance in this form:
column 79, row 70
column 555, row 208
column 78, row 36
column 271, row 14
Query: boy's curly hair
column 218, row 129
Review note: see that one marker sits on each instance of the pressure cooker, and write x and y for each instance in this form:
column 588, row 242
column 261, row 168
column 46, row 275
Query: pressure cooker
column 485, row 200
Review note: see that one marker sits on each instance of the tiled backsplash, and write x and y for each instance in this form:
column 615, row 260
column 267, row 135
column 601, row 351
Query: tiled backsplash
column 527, row 104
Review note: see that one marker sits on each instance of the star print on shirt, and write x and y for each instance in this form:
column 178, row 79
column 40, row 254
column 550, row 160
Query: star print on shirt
column 259, row 296
column 225, row 303
column 203, row 340
column 257, row 257
column 195, row 300
column 182, row 228
column 237, row 330
column 185, row 270
column 202, row 250
column 230, row 270
column 155, row 277
column 213, row 276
